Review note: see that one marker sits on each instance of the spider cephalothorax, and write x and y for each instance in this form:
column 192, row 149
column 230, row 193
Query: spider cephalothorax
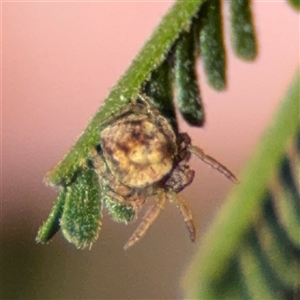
column 140, row 155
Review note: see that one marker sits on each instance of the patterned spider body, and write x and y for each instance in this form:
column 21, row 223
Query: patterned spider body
column 139, row 149
column 140, row 155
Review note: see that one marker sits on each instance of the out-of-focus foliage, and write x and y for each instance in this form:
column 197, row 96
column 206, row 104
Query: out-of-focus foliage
column 295, row 3
column 252, row 251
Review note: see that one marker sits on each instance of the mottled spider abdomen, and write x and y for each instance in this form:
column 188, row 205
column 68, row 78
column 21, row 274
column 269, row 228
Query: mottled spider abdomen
column 139, row 149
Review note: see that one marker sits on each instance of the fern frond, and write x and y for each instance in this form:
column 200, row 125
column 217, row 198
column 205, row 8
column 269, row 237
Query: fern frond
column 168, row 60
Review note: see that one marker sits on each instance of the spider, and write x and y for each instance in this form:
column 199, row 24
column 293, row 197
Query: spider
column 140, row 155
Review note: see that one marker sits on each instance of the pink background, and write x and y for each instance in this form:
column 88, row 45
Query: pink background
column 59, row 60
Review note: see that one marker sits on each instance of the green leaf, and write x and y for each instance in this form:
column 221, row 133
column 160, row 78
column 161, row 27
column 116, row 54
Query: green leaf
column 212, row 45
column 283, row 262
column 254, row 277
column 225, row 239
column 242, row 29
column 80, row 222
column 159, row 88
column 287, row 208
column 119, row 212
column 186, row 84
column 52, row 224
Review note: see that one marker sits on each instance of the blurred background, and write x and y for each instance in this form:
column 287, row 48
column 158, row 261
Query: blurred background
column 59, row 61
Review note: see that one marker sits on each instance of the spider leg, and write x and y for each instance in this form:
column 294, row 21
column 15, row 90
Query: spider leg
column 148, row 219
column 186, row 213
column 212, row 162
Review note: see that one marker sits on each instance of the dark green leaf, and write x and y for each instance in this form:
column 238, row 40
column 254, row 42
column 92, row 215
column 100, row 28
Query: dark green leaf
column 186, row 83
column 119, row 212
column 242, row 29
column 81, row 217
column 52, row 224
column 255, row 278
column 279, row 254
column 287, row 210
column 211, row 44
column 159, row 89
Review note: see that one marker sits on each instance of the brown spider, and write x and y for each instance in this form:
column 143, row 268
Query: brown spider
column 140, row 155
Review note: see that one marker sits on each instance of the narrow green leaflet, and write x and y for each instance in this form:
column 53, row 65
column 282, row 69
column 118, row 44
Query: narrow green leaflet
column 159, row 88
column 211, row 44
column 242, row 29
column 253, row 275
column 80, row 222
column 278, row 255
column 287, row 211
column 186, row 84
column 52, row 224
